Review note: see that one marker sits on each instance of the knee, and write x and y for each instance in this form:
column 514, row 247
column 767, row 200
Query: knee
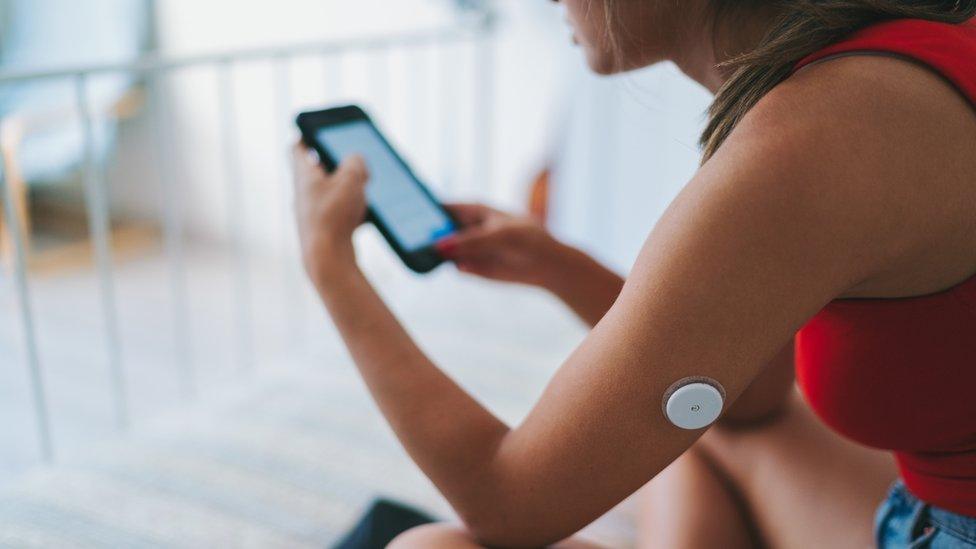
column 745, row 443
column 433, row 536
column 750, row 419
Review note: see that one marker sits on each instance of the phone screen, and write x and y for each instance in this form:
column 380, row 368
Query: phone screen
column 392, row 192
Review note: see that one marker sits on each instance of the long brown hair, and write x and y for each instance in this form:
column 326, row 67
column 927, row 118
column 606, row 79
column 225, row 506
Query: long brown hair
column 800, row 28
column 803, row 27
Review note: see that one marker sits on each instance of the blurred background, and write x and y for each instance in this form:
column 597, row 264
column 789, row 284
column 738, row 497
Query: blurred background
column 167, row 376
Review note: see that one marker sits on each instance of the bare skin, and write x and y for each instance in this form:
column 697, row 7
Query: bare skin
column 851, row 179
column 508, row 248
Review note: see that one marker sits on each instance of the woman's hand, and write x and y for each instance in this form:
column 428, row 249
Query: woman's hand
column 509, row 248
column 328, row 208
column 500, row 246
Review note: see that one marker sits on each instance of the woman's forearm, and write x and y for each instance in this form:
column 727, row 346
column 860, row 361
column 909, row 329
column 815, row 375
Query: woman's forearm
column 582, row 283
column 450, row 436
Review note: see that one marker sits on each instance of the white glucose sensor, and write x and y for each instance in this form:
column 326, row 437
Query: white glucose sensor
column 694, row 402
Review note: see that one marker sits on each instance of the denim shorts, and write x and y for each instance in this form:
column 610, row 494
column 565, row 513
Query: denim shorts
column 903, row 521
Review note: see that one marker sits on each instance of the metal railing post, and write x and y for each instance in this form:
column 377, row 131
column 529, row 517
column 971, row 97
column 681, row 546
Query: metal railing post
column 379, row 80
column 483, row 158
column 332, row 76
column 233, row 185
column 96, row 205
column 170, row 187
column 22, row 287
column 416, row 92
column 434, row 112
column 292, row 280
column 449, row 127
column 445, row 135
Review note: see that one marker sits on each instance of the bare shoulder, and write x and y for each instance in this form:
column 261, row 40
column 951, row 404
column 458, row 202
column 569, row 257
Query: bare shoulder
column 870, row 113
column 881, row 145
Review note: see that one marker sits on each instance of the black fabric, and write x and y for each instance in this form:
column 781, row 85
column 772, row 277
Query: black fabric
column 383, row 521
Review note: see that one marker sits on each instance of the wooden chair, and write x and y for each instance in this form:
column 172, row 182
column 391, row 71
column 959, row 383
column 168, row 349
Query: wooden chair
column 11, row 135
column 13, row 130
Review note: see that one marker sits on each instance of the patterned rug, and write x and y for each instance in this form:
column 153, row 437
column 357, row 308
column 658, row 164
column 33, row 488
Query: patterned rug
column 291, row 457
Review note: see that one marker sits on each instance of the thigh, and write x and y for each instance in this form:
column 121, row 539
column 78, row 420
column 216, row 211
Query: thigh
column 691, row 505
column 803, row 485
column 449, row 536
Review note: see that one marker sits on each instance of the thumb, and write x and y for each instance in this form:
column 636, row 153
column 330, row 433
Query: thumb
column 352, row 171
column 466, row 244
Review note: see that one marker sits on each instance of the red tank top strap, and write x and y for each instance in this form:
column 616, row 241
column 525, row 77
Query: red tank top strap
column 898, row 373
column 948, row 49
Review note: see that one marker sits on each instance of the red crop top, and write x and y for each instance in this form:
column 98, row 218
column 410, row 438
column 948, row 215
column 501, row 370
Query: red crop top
column 900, row 374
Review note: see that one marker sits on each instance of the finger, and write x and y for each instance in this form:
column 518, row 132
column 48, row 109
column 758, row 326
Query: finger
column 476, row 267
column 352, row 171
column 306, row 168
column 471, row 243
column 466, row 267
column 446, row 246
column 468, row 213
column 301, row 155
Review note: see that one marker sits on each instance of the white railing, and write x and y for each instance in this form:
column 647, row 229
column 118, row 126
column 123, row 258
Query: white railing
column 474, row 29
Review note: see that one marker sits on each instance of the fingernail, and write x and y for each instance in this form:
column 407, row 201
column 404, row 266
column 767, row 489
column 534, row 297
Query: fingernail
column 446, row 246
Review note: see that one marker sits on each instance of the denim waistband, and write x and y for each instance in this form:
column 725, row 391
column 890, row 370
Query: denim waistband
column 960, row 525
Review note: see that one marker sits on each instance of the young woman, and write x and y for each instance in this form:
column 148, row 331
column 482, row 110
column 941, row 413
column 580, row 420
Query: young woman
column 834, row 214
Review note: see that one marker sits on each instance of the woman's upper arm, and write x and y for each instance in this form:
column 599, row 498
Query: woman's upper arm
column 782, row 220
column 766, row 397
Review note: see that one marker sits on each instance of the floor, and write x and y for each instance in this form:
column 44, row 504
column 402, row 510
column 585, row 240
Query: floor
column 278, row 444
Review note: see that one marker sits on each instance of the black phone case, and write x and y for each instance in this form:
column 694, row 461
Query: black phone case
column 421, row 261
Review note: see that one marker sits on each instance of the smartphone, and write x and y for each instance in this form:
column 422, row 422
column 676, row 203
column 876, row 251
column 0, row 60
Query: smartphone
column 398, row 204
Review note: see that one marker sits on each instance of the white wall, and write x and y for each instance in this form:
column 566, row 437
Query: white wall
column 392, row 86
column 622, row 147
column 630, row 145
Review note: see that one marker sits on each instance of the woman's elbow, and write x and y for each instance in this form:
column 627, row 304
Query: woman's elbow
column 513, row 538
column 747, row 419
column 443, row 535
column 511, row 528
